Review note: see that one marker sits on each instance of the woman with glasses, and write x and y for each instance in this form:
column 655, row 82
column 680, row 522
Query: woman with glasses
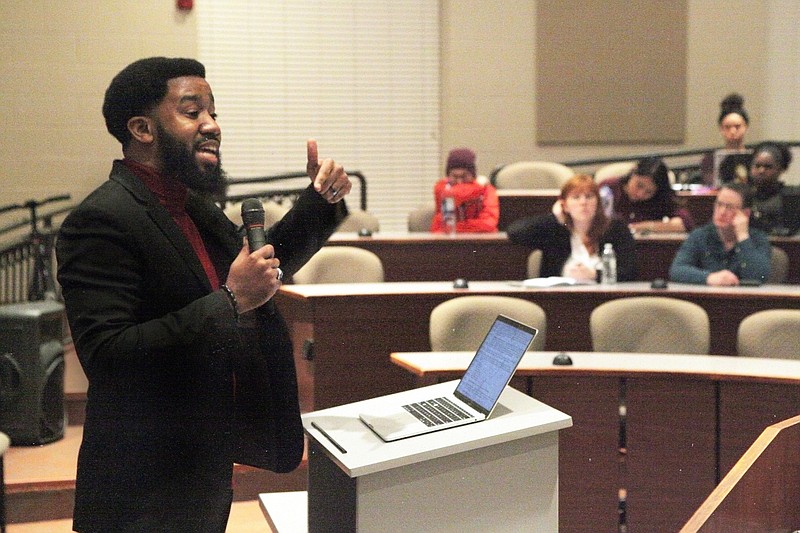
column 726, row 251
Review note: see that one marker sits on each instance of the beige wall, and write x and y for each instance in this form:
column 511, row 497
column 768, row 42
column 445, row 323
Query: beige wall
column 58, row 60
column 488, row 69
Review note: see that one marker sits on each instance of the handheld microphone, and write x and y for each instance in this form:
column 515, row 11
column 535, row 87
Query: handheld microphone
column 253, row 219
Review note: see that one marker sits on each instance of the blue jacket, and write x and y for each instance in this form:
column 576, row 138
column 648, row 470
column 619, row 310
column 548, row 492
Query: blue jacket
column 703, row 253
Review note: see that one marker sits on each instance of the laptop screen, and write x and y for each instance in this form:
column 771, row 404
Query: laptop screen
column 494, row 363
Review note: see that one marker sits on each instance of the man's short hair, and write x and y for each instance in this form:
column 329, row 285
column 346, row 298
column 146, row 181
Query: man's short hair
column 141, row 86
column 743, row 190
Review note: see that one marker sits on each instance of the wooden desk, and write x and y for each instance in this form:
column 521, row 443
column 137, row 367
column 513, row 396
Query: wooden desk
column 438, row 257
column 492, row 257
column 519, row 203
column 686, row 415
column 355, row 327
column 654, row 254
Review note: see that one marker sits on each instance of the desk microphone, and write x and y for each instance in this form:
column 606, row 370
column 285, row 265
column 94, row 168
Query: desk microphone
column 253, row 219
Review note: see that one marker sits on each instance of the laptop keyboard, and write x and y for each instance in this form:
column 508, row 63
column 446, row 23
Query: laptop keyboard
column 436, row 412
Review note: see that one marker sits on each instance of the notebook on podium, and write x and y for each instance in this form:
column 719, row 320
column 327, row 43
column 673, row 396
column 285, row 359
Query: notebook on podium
column 475, row 396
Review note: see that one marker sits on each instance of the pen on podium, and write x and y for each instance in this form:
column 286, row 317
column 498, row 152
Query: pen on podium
column 325, row 434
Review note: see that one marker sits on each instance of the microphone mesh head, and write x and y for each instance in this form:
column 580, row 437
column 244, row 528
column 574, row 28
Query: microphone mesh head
column 252, row 212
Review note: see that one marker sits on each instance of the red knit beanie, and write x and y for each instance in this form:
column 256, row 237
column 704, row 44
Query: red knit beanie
column 461, row 158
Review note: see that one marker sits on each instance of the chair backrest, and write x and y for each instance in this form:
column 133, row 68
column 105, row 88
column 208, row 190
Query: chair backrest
column 532, row 175
column 534, row 263
column 420, row 218
column 341, row 264
column 772, row 333
column 779, row 265
column 358, row 220
column 650, row 324
column 614, row 170
column 460, row 324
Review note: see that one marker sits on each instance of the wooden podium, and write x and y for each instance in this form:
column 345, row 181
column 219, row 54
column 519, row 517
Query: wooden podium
column 497, row 475
column 760, row 493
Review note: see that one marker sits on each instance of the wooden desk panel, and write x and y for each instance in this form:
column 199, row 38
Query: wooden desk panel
column 516, row 204
column 654, row 254
column 356, row 327
column 747, row 408
column 671, row 450
column 491, row 257
column 588, row 469
column 673, row 441
column 435, row 257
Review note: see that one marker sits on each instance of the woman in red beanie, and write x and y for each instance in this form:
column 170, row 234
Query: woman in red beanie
column 477, row 208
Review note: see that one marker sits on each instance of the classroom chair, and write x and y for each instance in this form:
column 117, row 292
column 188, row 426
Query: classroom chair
column 779, row 265
column 341, row 264
column 460, row 324
column 358, row 220
column 420, row 218
column 650, row 324
column 532, row 175
column 773, row 333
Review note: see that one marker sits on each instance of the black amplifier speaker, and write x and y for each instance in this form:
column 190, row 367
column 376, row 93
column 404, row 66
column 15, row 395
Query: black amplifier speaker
column 32, row 372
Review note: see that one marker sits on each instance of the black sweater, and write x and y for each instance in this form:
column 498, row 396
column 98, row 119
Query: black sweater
column 553, row 239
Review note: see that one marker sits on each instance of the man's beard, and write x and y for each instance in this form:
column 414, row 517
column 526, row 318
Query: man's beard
column 179, row 162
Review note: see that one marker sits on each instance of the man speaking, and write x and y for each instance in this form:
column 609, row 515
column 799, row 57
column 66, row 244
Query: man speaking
column 189, row 363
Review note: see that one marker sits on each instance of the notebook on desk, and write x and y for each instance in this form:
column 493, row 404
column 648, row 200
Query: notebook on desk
column 475, row 396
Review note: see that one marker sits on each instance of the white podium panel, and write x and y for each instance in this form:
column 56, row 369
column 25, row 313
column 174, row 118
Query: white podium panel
column 497, row 475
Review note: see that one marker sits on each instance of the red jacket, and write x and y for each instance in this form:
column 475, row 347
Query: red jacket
column 477, row 207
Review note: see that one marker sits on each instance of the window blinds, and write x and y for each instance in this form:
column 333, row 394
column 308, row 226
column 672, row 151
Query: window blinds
column 360, row 76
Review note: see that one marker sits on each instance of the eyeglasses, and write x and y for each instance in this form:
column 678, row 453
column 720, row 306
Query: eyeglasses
column 726, row 206
column 765, row 166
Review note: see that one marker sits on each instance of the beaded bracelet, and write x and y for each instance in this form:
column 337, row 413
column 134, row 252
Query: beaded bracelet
column 232, row 298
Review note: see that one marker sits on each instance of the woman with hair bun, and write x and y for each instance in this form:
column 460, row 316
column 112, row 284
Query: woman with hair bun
column 733, row 122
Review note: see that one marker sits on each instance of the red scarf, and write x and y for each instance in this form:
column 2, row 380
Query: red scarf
column 172, row 195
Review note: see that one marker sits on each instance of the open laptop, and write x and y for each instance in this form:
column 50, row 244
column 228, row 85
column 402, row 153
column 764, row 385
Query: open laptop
column 475, row 396
column 731, row 166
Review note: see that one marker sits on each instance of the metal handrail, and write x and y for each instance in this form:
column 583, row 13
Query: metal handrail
column 290, row 192
column 635, row 157
column 26, row 268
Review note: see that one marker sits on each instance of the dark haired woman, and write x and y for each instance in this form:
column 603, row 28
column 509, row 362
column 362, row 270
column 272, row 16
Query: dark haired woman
column 775, row 204
column 644, row 199
column 733, row 122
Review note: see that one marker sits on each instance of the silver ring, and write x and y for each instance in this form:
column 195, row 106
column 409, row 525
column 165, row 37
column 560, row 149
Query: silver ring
column 335, row 192
column 280, row 273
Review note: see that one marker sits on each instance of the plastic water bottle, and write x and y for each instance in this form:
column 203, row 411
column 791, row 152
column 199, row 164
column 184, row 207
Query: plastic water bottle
column 607, row 200
column 449, row 210
column 609, row 265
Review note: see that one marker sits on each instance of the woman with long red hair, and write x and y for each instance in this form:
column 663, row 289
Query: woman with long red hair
column 572, row 237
